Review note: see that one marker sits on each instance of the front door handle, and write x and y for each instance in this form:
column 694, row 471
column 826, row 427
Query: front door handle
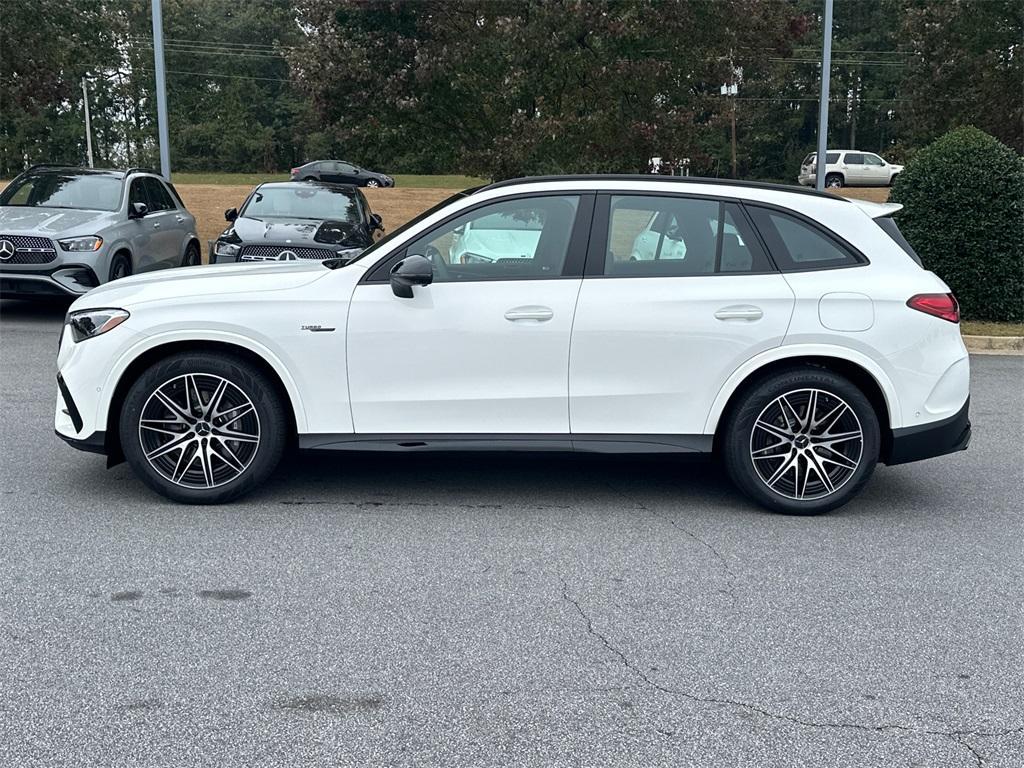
column 156, row 225
column 740, row 312
column 179, row 219
column 536, row 314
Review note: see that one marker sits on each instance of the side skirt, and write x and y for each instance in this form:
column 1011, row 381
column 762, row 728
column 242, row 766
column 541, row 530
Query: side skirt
column 513, row 442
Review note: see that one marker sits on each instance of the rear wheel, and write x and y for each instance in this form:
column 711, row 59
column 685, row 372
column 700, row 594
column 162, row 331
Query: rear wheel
column 802, row 441
column 834, row 180
column 202, row 429
column 120, row 266
column 191, row 257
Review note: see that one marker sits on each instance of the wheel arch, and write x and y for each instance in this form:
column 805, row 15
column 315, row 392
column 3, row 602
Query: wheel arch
column 866, row 376
column 134, row 368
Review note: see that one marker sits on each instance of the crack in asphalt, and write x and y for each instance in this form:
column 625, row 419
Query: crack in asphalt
column 957, row 735
column 730, row 576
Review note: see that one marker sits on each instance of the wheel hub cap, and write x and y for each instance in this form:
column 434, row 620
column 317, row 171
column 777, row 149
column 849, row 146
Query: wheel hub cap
column 806, row 444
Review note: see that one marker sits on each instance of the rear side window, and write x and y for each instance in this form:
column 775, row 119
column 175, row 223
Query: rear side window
column 854, row 158
column 652, row 236
column 796, row 245
column 888, row 226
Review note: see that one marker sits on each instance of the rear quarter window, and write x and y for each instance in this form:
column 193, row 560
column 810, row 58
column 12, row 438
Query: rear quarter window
column 888, row 225
column 797, row 245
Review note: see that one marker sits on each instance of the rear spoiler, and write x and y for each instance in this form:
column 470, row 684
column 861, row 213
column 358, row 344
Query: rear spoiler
column 877, row 210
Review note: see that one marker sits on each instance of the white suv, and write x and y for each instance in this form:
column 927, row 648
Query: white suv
column 849, row 168
column 802, row 350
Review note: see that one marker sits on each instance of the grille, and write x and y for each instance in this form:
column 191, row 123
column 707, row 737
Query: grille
column 271, row 252
column 27, row 250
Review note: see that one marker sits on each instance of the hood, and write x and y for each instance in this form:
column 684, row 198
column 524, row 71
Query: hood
column 51, row 222
column 187, row 283
column 294, row 231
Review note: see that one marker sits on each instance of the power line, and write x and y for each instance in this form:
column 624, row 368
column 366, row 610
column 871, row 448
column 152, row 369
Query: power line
column 216, row 74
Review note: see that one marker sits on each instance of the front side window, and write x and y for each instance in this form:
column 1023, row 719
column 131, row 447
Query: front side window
column 873, row 160
column 797, row 245
column 303, row 201
column 523, row 238
column 676, row 237
column 137, row 194
column 159, row 197
column 87, row 191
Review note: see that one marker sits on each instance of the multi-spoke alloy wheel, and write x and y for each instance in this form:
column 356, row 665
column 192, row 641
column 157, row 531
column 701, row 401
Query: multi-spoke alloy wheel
column 806, row 444
column 199, row 430
column 801, row 441
column 203, row 427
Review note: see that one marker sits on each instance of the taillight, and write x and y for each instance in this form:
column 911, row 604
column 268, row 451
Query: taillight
column 937, row 304
column 294, row 171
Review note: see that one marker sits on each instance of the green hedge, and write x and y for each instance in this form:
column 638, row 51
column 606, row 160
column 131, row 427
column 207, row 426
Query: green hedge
column 963, row 198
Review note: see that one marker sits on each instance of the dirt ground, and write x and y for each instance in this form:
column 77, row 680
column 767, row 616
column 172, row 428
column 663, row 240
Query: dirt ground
column 207, row 202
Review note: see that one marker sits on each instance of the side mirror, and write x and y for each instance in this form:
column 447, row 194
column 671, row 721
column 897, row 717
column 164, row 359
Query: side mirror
column 230, row 214
column 410, row 271
column 376, row 222
column 138, row 210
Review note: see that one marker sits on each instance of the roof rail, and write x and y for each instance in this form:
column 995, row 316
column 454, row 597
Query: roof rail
column 130, row 171
column 666, row 180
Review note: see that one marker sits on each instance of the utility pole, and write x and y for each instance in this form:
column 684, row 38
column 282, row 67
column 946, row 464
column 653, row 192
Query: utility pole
column 161, row 90
column 734, row 136
column 88, row 123
column 731, row 89
column 826, row 66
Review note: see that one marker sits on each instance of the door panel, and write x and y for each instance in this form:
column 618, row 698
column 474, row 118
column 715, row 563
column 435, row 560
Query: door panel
column 649, row 355
column 654, row 340
column 167, row 225
column 457, row 358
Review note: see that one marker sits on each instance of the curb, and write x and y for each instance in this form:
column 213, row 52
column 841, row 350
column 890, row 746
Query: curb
column 995, row 345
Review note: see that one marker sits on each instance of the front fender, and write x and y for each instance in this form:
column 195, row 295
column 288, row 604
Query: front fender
column 149, row 341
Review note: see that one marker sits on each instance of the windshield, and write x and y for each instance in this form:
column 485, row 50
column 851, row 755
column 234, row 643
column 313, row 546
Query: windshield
column 306, row 201
column 87, row 191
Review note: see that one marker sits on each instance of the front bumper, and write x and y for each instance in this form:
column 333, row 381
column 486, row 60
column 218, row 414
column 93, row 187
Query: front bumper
column 66, row 280
column 930, row 440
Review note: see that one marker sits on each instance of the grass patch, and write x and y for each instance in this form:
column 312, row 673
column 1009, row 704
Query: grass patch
column 978, row 328
column 252, row 179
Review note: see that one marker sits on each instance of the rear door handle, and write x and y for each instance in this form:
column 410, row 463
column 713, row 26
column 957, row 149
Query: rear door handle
column 156, row 225
column 536, row 314
column 740, row 312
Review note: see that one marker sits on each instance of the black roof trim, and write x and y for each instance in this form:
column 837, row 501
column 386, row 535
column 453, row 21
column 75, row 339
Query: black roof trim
column 59, row 167
column 697, row 180
column 311, row 183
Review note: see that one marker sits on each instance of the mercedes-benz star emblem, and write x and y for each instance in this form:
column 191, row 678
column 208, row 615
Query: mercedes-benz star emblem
column 6, row 250
column 287, row 256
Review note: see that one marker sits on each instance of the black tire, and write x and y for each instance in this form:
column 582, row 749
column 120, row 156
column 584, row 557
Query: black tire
column 834, row 180
column 193, row 486
column 120, row 266
column 309, row 178
column 192, row 257
column 762, row 400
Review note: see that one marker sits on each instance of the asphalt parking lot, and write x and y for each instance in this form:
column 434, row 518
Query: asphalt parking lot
column 514, row 611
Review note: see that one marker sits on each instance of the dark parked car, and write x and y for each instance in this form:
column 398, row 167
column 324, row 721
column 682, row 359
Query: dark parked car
column 341, row 172
column 288, row 220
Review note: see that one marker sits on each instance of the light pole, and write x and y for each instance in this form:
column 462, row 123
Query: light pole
column 161, row 91
column 88, row 123
column 826, row 66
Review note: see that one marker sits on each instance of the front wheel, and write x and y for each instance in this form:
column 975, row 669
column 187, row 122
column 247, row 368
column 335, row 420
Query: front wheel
column 120, row 266
column 202, row 428
column 373, row 183
column 802, row 442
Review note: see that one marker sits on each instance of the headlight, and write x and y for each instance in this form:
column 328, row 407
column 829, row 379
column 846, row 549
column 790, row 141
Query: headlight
column 92, row 322
column 92, row 243
column 220, row 248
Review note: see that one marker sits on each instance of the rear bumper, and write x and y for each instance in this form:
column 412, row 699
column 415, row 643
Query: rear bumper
column 930, row 440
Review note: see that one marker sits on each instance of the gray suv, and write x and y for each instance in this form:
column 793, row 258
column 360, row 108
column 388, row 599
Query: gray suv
column 66, row 230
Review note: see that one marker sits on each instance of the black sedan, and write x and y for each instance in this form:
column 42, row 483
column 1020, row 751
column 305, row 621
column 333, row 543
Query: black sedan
column 287, row 220
column 341, row 172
